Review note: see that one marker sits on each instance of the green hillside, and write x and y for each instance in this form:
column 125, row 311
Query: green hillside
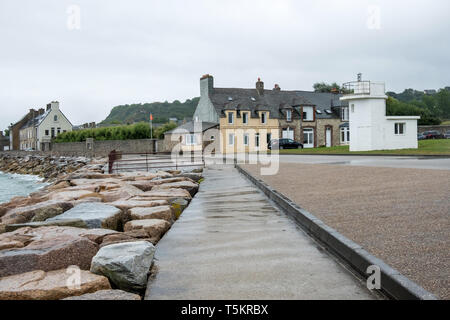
column 162, row 111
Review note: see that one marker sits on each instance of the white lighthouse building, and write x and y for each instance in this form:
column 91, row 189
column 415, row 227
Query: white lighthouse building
column 370, row 128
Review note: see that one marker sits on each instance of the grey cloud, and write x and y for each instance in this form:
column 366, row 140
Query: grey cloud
column 143, row 51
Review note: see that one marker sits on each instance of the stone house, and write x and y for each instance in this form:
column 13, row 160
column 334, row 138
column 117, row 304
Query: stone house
column 249, row 118
column 192, row 137
column 41, row 127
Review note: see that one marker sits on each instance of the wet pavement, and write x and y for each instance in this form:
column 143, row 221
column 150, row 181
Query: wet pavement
column 231, row 243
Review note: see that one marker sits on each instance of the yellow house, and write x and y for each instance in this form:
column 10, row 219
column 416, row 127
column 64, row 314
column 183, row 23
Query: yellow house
column 244, row 131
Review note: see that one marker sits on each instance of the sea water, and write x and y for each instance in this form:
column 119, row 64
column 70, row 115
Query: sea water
column 14, row 185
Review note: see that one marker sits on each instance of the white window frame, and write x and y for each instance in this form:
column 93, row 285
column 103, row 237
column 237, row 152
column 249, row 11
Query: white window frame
column 288, row 115
column 246, row 139
column 346, row 132
column 398, row 126
column 345, row 114
column 191, row 139
column 245, row 117
column 231, row 139
column 310, row 132
column 232, row 117
column 305, row 110
column 257, row 140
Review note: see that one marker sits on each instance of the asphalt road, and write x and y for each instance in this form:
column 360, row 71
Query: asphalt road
column 433, row 163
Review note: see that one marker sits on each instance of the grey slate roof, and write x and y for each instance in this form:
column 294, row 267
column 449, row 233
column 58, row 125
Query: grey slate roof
column 190, row 127
column 273, row 101
column 36, row 120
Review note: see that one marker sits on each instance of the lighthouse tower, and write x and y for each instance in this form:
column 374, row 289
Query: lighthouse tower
column 370, row 128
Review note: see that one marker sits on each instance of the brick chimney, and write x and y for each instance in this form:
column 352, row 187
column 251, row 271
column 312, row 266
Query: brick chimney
column 276, row 88
column 206, row 85
column 41, row 111
column 260, row 87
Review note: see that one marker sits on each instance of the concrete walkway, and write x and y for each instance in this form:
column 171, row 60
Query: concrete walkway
column 231, row 243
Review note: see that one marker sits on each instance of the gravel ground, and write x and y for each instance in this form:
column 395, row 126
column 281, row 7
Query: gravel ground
column 399, row 215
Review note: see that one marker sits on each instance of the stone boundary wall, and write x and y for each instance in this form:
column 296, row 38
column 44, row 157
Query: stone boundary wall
column 393, row 284
column 442, row 129
column 93, row 148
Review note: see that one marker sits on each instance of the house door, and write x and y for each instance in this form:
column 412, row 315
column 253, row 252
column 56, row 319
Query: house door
column 328, row 137
column 308, row 138
column 288, row 133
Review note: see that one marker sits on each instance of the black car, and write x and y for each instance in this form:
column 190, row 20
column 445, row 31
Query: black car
column 284, row 144
column 433, row 135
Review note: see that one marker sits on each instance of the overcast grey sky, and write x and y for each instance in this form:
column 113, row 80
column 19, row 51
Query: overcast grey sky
column 144, row 51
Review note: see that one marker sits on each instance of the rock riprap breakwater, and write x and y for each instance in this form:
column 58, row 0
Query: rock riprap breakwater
column 47, row 167
column 78, row 220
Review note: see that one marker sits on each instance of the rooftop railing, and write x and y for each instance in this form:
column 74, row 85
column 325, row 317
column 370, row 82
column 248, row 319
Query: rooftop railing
column 364, row 88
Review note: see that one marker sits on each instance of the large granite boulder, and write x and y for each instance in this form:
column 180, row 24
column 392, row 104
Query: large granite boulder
column 166, row 194
column 107, row 295
column 48, row 248
column 126, row 265
column 146, row 185
column 70, row 195
column 53, row 285
column 155, row 228
column 95, row 215
column 77, row 223
column 141, row 203
column 36, row 212
column 178, row 205
column 190, row 186
column 160, row 212
column 196, row 177
column 125, row 192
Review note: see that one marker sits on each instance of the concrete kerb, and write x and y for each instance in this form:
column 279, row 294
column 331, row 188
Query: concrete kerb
column 393, row 284
column 416, row 155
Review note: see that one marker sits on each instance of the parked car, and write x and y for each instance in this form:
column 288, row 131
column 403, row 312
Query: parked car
column 447, row 135
column 284, row 144
column 434, row 134
column 420, row 136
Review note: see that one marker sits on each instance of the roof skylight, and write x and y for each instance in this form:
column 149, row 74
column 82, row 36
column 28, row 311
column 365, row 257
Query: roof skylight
column 328, row 111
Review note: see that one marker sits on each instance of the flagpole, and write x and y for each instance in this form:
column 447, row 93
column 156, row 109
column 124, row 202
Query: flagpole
column 151, row 126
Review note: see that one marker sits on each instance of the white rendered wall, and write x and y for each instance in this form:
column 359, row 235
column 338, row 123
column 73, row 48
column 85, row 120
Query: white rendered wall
column 50, row 123
column 371, row 129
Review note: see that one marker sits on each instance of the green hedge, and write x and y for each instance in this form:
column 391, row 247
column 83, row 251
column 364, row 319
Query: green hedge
column 134, row 131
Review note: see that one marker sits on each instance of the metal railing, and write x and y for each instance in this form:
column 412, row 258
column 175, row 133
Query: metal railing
column 364, row 88
column 153, row 161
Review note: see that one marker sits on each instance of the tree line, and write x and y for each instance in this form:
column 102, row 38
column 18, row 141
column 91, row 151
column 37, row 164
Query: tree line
column 128, row 132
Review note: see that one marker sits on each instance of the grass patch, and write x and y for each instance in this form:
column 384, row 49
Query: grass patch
column 426, row 147
column 445, row 123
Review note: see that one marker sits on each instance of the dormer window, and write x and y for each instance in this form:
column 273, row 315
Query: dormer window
column 264, row 117
column 245, row 117
column 288, row 115
column 308, row 113
column 230, row 118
